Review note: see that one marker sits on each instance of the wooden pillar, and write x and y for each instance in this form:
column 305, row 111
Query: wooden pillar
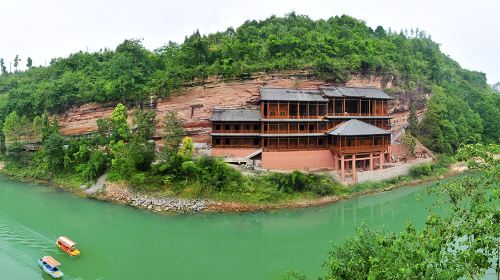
column 308, row 105
column 371, row 161
column 389, row 150
column 342, row 169
column 343, row 106
column 359, row 107
column 268, row 113
column 354, row 168
column 288, row 111
column 333, row 106
column 317, row 109
column 381, row 160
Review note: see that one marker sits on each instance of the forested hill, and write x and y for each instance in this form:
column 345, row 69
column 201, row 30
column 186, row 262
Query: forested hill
column 463, row 108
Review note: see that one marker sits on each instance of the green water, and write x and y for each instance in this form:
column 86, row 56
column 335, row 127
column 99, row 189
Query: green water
column 119, row 242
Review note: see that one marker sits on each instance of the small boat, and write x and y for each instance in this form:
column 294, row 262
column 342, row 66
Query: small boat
column 49, row 265
column 68, row 246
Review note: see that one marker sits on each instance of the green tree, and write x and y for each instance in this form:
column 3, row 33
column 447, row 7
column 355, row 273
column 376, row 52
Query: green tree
column 54, row 152
column 413, row 120
column 187, row 147
column 12, row 127
column 144, row 122
column 172, row 132
column 3, row 69
column 410, row 142
column 119, row 127
column 29, row 62
column 16, row 61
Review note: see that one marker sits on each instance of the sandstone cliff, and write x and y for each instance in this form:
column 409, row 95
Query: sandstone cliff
column 195, row 103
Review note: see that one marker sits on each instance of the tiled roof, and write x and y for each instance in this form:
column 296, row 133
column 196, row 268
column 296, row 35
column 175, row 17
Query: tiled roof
column 355, row 92
column 229, row 115
column 357, row 128
column 284, row 94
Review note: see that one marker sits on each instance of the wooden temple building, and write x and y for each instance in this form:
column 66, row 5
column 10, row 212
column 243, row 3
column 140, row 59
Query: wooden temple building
column 339, row 128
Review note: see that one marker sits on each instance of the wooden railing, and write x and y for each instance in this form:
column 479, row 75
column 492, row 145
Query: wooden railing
column 235, row 131
column 292, row 117
column 292, row 131
column 347, row 114
column 358, row 149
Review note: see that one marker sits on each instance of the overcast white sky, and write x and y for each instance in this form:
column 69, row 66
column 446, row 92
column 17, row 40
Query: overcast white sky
column 43, row 29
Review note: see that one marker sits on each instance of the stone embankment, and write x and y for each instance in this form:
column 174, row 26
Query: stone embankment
column 120, row 193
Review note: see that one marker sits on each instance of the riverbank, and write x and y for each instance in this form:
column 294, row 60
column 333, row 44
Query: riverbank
column 121, row 193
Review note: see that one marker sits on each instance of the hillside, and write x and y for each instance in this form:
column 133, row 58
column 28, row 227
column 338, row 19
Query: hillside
column 464, row 110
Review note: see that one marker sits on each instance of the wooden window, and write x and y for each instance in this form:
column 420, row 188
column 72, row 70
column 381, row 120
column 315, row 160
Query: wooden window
column 217, row 127
column 217, row 141
column 237, row 127
column 226, row 141
column 227, row 127
column 256, row 127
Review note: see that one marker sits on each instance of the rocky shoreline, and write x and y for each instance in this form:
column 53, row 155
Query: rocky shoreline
column 116, row 192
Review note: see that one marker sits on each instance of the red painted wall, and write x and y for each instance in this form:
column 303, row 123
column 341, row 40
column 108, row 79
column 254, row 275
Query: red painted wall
column 298, row 160
column 234, row 153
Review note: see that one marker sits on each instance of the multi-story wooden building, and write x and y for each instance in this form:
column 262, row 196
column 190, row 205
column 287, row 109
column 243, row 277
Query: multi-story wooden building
column 326, row 128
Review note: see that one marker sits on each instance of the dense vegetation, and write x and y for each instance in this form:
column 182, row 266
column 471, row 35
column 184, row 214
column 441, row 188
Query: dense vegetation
column 464, row 109
column 460, row 239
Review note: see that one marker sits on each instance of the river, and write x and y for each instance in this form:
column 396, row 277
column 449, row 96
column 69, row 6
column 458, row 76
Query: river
column 120, row 242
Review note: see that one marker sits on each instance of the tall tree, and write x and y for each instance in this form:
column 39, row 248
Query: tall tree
column 119, row 126
column 16, row 61
column 412, row 119
column 144, row 122
column 29, row 62
column 3, row 69
column 172, row 132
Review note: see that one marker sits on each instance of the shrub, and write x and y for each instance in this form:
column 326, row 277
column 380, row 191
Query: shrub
column 94, row 167
column 421, row 170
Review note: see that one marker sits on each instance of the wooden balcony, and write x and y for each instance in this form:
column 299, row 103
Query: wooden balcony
column 347, row 114
column 292, row 131
column 358, row 149
column 235, row 131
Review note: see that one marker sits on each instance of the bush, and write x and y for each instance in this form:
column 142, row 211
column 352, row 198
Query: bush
column 299, row 182
column 94, row 167
column 421, row 170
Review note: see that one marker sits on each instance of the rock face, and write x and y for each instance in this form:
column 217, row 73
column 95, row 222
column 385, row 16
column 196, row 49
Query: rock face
column 195, row 103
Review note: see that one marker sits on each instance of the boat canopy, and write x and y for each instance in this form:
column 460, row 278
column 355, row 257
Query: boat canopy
column 51, row 261
column 66, row 241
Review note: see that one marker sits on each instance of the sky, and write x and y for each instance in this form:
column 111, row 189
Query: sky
column 43, row 29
